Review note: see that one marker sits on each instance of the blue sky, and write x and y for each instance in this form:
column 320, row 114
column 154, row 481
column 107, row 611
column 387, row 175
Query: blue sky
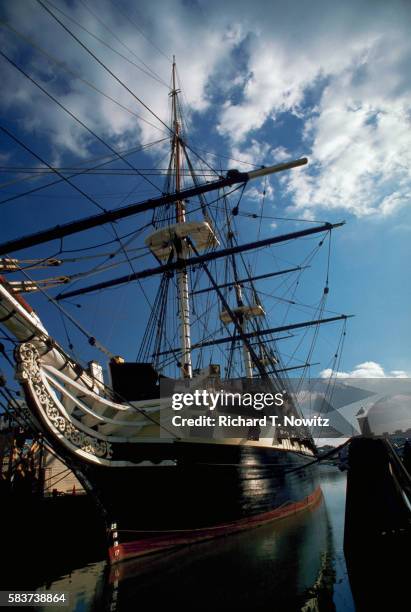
column 262, row 82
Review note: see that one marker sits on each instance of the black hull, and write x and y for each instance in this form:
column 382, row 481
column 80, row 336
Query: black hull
column 208, row 491
column 171, row 490
column 208, row 485
column 149, row 489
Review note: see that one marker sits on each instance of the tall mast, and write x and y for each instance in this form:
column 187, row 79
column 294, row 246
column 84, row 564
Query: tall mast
column 180, row 244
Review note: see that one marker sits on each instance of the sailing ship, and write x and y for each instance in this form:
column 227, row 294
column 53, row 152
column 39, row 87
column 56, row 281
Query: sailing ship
column 158, row 488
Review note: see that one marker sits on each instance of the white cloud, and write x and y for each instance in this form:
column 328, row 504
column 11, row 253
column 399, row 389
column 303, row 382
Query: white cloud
column 367, row 369
column 264, row 192
column 358, row 135
column 196, row 62
column 360, row 141
column 280, row 154
column 255, row 154
column 342, row 69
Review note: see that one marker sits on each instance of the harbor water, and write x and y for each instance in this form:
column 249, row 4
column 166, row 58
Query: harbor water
column 295, row 564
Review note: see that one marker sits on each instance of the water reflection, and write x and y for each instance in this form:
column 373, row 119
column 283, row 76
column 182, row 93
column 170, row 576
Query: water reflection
column 294, row 564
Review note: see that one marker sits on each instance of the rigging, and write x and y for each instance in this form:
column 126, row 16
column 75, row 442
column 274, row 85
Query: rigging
column 193, row 261
column 232, row 178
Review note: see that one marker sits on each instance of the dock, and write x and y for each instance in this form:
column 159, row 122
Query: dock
column 377, row 525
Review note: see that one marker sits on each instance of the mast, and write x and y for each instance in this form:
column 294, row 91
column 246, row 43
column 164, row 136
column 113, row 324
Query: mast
column 248, row 363
column 180, row 243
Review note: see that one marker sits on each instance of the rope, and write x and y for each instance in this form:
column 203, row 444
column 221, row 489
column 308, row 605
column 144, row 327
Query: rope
column 103, row 65
column 85, row 171
column 151, row 72
column 80, row 122
column 89, row 337
column 76, row 74
column 319, row 459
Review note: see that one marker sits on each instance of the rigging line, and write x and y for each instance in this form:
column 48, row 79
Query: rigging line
column 185, row 143
column 194, row 261
column 141, row 287
column 328, row 390
column 14, row 412
column 103, row 42
column 8, row 338
column 205, row 338
column 96, row 246
column 157, row 76
column 240, row 161
column 140, row 31
column 76, row 75
column 6, row 131
column 109, row 171
column 328, row 260
column 133, row 189
column 134, row 235
column 168, row 342
column 293, row 302
column 107, row 157
column 70, row 183
column 103, row 65
column 302, row 339
column 312, row 346
column 17, row 415
column 205, row 207
column 85, row 171
column 70, row 344
column 256, row 216
column 260, row 367
column 320, row 310
column 154, row 328
column 73, row 116
column 123, row 248
column 340, row 351
column 102, row 268
column 39, row 262
column 253, row 287
column 294, row 285
column 6, row 357
column 193, row 175
column 261, row 217
column 234, row 241
column 335, row 369
column 109, row 254
column 198, row 319
column 294, row 282
column 62, row 475
column 92, row 340
column 208, row 153
column 147, row 335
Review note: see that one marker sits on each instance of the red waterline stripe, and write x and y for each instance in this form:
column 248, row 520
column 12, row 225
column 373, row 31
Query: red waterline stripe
column 173, row 539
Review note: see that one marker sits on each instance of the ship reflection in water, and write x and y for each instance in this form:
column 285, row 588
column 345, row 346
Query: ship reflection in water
column 294, row 564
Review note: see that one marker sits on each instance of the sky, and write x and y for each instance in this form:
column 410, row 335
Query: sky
column 261, row 82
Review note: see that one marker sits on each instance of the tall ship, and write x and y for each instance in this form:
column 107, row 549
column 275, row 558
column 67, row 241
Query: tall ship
column 205, row 292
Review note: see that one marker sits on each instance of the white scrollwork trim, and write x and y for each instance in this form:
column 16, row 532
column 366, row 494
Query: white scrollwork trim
column 29, row 372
